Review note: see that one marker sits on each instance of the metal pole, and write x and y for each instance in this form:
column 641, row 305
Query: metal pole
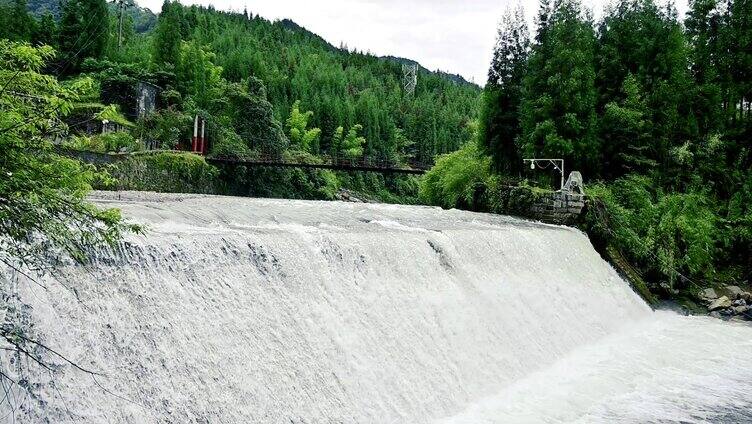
column 203, row 128
column 194, row 141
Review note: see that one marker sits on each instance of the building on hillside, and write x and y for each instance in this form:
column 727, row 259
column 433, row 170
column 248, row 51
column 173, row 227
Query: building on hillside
column 146, row 99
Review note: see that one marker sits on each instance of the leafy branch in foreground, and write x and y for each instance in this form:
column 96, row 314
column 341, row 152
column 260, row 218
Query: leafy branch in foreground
column 44, row 215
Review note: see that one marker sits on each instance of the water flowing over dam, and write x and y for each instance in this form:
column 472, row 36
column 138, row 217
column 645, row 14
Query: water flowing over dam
column 252, row 311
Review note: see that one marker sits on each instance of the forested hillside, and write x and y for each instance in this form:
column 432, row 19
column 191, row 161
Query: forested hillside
column 341, row 88
column 263, row 88
column 655, row 112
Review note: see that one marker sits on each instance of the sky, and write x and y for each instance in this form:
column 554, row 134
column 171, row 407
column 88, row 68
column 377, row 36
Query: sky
column 455, row 36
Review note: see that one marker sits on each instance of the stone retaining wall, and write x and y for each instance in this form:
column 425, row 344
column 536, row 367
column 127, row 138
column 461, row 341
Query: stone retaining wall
column 558, row 208
column 550, row 207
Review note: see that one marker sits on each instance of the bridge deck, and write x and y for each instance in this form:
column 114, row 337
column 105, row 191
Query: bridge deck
column 340, row 165
column 363, row 164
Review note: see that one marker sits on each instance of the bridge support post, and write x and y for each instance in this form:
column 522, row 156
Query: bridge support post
column 194, row 140
column 202, row 140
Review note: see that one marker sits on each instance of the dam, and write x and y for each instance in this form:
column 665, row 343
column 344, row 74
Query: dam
column 231, row 310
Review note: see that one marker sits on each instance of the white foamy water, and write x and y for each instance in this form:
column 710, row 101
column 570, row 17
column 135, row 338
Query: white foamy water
column 241, row 310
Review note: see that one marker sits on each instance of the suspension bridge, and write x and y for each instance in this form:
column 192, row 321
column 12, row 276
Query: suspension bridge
column 324, row 162
column 272, row 161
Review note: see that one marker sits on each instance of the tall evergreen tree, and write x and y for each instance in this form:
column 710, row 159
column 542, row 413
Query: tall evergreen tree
column 625, row 131
column 543, row 19
column 84, row 31
column 705, row 32
column 558, row 102
column 740, row 49
column 638, row 38
column 17, row 24
column 500, row 113
column 167, row 36
column 46, row 30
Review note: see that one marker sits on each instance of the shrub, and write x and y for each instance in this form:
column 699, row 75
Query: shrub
column 166, row 172
column 669, row 236
column 230, row 145
column 457, row 178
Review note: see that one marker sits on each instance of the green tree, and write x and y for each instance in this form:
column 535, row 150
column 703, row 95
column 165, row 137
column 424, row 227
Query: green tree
column 18, row 25
column 167, row 36
column 455, row 179
column 196, row 73
column 705, row 28
column 637, row 38
column 44, row 214
column 297, row 126
column 558, row 103
column 252, row 116
column 500, row 122
column 349, row 145
column 46, row 31
column 403, row 146
column 84, row 31
column 625, row 129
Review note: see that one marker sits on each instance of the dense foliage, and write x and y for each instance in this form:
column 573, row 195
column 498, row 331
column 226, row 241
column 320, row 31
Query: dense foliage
column 42, row 204
column 268, row 89
column 658, row 111
column 340, row 87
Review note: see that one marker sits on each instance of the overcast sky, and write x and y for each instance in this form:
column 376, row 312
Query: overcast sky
column 456, row 36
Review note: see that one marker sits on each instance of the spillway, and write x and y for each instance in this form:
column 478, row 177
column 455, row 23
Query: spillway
column 236, row 310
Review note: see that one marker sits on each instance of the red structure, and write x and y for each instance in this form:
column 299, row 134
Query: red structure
column 198, row 142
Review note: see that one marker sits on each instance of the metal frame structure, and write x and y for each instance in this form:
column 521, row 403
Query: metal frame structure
column 557, row 163
column 409, row 78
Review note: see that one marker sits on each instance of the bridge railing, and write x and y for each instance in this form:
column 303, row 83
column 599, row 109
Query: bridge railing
column 327, row 160
column 323, row 161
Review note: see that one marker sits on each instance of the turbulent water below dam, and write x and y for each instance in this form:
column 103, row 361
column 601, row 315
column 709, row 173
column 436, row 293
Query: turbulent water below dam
column 274, row 311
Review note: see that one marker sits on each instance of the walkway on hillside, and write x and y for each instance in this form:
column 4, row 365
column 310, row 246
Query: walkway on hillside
column 324, row 162
column 321, row 162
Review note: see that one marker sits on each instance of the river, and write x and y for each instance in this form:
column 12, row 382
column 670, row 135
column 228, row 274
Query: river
column 233, row 310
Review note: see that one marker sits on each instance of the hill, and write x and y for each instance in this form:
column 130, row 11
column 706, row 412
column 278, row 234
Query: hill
column 264, row 88
column 341, row 87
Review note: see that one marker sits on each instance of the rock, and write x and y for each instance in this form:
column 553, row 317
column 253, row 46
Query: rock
column 721, row 303
column 747, row 296
column 715, row 314
column 709, row 294
column 739, row 302
column 741, row 310
column 727, row 312
column 734, row 291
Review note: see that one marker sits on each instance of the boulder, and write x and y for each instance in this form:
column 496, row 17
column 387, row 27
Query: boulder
column 734, row 291
column 722, row 302
column 747, row 296
column 739, row 302
column 741, row 310
column 708, row 294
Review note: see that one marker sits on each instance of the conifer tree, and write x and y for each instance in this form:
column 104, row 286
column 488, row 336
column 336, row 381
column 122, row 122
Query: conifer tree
column 640, row 39
column 18, row 25
column 558, row 103
column 543, row 19
column 625, row 131
column 500, row 113
column 167, row 36
column 84, row 31
column 46, row 31
column 705, row 30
